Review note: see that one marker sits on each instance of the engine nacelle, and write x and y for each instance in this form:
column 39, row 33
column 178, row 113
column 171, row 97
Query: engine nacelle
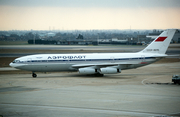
column 110, row 70
column 87, row 71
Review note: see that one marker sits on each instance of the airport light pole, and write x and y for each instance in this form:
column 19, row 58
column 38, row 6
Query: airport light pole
column 34, row 38
column 138, row 36
column 131, row 41
column 98, row 39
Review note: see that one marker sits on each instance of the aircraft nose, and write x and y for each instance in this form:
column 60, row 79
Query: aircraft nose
column 11, row 64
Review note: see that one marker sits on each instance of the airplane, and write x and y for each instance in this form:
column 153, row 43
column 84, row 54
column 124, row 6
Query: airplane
column 96, row 63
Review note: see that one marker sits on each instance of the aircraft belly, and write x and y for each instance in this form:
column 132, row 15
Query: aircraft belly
column 140, row 64
column 47, row 67
column 55, row 67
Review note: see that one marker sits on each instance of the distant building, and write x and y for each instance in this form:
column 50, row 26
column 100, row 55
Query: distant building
column 176, row 38
column 51, row 34
column 120, row 41
column 42, row 35
column 153, row 35
column 104, row 40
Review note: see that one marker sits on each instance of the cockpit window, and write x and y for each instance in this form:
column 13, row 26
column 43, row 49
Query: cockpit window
column 16, row 61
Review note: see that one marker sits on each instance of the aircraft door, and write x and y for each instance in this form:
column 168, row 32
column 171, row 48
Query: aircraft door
column 112, row 59
column 29, row 61
column 142, row 58
column 67, row 61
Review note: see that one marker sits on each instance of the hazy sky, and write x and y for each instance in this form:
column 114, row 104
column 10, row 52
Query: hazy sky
column 89, row 14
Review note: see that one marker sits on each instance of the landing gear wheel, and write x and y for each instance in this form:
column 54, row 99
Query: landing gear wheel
column 34, row 75
column 99, row 75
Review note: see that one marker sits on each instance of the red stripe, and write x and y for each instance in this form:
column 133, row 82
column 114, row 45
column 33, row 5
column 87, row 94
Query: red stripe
column 161, row 38
column 143, row 62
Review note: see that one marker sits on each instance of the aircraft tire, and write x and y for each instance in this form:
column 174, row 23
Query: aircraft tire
column 99, row 75
column 34, row 75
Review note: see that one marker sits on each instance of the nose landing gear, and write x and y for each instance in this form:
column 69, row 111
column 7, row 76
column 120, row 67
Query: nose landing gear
column 34, row 75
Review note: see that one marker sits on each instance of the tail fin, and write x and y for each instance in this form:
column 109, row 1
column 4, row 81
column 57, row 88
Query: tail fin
column 161, row 43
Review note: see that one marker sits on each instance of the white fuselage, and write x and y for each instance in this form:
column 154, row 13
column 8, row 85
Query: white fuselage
column 65, row 62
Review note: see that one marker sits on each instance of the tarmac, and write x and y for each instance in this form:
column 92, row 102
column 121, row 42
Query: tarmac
column 143, row 92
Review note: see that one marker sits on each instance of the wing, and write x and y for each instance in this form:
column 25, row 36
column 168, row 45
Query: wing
column 101, row 65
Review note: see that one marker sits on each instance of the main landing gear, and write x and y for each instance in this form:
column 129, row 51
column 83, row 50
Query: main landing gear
column 34, row 75
column 99, row 75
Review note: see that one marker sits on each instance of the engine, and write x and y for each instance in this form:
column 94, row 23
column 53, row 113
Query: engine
column 110, row 70
column 87, row 71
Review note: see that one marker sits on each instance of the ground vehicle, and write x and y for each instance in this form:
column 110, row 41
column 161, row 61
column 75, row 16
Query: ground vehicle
column 176, row 79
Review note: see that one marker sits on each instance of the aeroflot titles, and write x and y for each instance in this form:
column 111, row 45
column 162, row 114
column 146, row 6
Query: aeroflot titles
column 67, row 57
